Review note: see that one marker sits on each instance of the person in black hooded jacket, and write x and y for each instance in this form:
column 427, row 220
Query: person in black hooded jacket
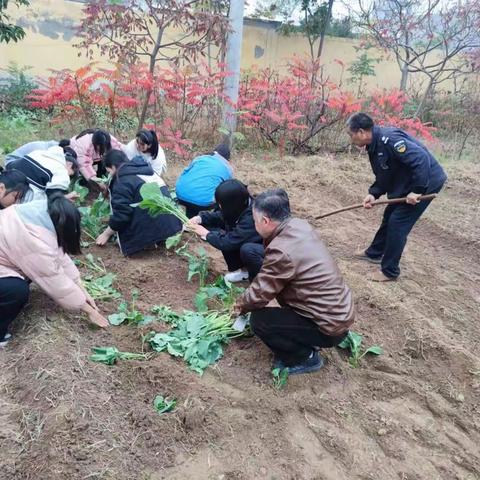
column 231, row 229
column 135, row 228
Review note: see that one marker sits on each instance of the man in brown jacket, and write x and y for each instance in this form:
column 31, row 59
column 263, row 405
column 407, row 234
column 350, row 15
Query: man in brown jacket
column 316, row 305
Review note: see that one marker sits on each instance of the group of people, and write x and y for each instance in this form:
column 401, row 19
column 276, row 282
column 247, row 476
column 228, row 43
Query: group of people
column 281, row 256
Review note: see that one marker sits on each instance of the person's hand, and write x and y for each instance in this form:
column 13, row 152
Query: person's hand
column 90, row 300
column 94, row 316
column 196, row 220
column 202, row 232
column 102, row 239
column 368, row 200
column 72, row 196
column 98, row 319
column 412, row 198
column 237, row 310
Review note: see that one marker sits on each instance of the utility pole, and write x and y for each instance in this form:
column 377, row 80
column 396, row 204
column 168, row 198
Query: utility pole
column 233, row 57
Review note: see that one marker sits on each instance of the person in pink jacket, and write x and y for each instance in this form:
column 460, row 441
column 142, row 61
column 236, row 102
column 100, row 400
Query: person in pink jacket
column 91, row 145
column 35, row 240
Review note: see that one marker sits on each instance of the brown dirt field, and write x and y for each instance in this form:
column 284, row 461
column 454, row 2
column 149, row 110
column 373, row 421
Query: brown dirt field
column 411, row 414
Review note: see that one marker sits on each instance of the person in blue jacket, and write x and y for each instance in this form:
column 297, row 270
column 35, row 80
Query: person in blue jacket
column 403, row 167
column 231, row 229
column 135, row 228
column 195, row 188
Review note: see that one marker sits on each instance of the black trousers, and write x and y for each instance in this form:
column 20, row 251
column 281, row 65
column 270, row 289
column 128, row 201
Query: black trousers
column 14, row 294
column 249, row 256
column 192, row 210
column 290, row 336
column 391, row 238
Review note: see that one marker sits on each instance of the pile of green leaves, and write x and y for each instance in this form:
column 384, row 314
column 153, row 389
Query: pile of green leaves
column 95, row 217
column 221, row 291
column 195, row 336
column 127, row 313
column 156, row 203
column 110, row 355
column 353, row 341
column 99, row 288
column 164, row 404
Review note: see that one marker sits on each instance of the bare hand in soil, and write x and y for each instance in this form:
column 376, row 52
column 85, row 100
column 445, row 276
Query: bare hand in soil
column 102, row 239
column 368, row 200
column 98, row 319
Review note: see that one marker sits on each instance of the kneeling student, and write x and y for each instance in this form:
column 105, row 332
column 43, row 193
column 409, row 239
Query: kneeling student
column 231, row 229
column 35, row 241
column 136, row 229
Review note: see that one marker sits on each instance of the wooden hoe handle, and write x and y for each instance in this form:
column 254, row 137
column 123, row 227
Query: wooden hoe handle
column 376, row 202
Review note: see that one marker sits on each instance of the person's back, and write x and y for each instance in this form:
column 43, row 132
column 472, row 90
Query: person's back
column 28, row 148
column 315, row 286
column 197, row 183
column 135, row 227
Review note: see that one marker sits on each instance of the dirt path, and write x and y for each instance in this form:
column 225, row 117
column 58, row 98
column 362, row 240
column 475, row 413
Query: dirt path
column 410, row 414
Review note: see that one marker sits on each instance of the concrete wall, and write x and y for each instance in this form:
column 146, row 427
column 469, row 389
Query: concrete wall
column 50, row 28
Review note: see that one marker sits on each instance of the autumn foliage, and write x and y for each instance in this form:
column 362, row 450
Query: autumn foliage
column 299, row 112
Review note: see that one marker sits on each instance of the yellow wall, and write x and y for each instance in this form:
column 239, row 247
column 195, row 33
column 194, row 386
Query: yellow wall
column 49, row 45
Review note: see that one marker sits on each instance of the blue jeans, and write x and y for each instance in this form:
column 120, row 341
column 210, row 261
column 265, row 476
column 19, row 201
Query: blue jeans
column 391, row 238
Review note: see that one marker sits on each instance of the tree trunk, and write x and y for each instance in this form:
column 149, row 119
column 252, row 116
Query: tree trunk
column 426, row 95
column 325, row 28
column 404, row 79
column 151, row 69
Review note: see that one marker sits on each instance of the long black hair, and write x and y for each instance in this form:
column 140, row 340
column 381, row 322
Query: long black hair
column 66, row 220
column 149, row 137
column 14, row 181
column 71, row 156
column 232, row 198
column 115, row 158
column 101, row 140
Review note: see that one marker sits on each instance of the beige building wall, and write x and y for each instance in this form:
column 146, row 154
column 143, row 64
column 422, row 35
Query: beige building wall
column 50, row 35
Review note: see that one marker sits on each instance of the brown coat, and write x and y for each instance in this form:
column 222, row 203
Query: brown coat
column 300, row 273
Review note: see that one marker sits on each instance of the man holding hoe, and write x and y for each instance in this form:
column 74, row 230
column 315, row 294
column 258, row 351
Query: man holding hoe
column 403, row 167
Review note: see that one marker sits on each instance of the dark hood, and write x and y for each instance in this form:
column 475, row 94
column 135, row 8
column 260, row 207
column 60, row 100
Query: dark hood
column 136, row 166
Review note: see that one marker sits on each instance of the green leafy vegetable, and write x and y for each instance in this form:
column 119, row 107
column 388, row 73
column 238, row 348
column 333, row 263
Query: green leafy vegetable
column 173, row 241
column 197, row 337
column 224, row 292
column 95, row 217
column 280, row 377
column 110, row 355
column 197, row 264
column 164, row 404
column 353, row 341
column 156, row 203
column 82, row 192
column 127, row 313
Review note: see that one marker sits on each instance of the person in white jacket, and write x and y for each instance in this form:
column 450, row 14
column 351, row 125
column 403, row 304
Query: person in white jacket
column 47, row 171
column 145, row 145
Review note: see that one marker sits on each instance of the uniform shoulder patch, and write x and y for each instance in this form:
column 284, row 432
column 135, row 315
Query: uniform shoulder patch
column 400, row 146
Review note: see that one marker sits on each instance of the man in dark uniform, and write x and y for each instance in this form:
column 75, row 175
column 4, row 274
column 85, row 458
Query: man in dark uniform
column 403, row 167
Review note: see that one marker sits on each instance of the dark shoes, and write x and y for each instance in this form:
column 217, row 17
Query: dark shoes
column 361, row 255
column 311, row 364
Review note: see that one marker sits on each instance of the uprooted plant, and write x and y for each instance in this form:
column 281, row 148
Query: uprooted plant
column 164, row 404
column 110, row 355
column 353, row 341
column 94, row 217
column 222, row 292
column 280, row 377
column 156, row 203
column 195, row 336
column 128, row 313
column 99, row 288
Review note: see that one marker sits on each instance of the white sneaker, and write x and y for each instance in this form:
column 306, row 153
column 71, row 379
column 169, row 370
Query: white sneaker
column 5, row 340
column 236, row 276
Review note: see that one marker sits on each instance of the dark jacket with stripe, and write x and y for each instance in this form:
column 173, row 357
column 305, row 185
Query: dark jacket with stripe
column 230, row 236
column 135, row 227
column 402, row 164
